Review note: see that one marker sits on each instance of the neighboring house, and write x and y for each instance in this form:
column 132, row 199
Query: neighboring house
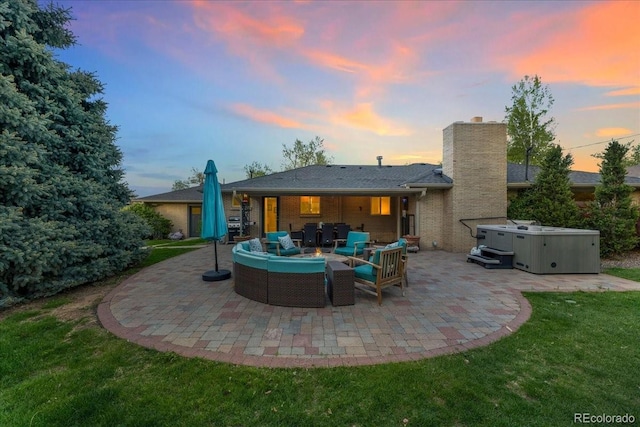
column 441, row 204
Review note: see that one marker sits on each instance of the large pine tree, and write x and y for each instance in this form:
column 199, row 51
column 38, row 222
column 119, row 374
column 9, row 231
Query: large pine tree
column 61, row 189
column 612, row 211
column 549, row 201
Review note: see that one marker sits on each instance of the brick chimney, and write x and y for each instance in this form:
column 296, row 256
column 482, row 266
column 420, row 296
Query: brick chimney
column 475, row 157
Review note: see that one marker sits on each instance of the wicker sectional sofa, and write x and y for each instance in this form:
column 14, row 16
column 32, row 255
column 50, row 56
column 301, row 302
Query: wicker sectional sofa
column 278, row 280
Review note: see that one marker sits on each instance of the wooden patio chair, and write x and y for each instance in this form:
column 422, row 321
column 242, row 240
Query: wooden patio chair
column 354, row 245
column 385, row 269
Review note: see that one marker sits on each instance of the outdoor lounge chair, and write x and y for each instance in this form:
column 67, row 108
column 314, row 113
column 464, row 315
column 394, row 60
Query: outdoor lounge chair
column 354, row 244
column 275, row 246
column 384, row 270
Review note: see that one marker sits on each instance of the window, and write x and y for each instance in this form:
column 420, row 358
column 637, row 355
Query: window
column 381, row 206
column 309, row 205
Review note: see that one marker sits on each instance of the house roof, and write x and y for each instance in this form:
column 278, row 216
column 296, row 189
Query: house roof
column 516, row 177
column 188, row 195
column 351, row 179
column 363, row 180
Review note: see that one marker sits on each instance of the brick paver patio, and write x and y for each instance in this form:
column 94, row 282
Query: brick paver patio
column 450, row 306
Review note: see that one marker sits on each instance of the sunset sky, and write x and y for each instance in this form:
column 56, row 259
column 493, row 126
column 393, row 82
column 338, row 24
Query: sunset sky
column 188, row 81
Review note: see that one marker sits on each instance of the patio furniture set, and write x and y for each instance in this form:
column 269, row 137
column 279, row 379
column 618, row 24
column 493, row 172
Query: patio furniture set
column 277, row 271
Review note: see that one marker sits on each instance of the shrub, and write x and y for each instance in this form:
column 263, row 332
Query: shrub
column 159, row 226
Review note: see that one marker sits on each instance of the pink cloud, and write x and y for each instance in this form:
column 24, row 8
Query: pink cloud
column 362, row 116
column 327, row 36
column 625, row 92
column 619, row 106
column 232, row 23
column 267, row 117
column 257, row 32
column 596, row 45
column 613, row 132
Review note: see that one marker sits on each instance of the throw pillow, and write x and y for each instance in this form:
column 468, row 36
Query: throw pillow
column 255, row 245
column 286, row 242
column 392, row 245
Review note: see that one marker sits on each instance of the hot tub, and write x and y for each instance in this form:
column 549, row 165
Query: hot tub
column 545, row 250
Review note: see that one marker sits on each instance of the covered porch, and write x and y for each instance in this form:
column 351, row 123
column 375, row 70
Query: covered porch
column 386, row 216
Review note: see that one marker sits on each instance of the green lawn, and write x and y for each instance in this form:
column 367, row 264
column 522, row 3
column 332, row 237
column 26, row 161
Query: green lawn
column 626, row 273
column 579, row 352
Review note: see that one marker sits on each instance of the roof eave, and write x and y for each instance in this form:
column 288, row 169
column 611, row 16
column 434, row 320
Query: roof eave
column 166, row 201
column 334, row 191
column 422, row 185
column 516, row 185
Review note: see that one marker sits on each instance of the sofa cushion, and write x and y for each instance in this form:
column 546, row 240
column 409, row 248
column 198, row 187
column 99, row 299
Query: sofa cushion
column 357, row 237
column 376, row 256
column 252, row 259
column 366, row 272
column 296, row 265
column 286, row 242
column 402, row 243
column 288, row 252
column 255, row 245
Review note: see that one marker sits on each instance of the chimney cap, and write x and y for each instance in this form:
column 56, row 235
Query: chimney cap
column 379, row 158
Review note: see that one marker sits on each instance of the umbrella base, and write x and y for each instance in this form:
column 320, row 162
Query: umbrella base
column 215, row 276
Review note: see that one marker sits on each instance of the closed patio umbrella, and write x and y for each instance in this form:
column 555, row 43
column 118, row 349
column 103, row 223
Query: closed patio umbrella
column 214, row 221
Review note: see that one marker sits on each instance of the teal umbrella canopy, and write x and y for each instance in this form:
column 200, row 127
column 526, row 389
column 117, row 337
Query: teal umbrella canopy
column 214, row 221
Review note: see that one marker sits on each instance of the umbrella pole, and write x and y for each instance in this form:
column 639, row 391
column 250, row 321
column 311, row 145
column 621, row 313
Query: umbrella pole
column 215, row 249
column 216, row 275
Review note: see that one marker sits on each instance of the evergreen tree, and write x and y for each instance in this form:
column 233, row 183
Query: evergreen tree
column 61, row 189
column 549, row 201
column 612, row 211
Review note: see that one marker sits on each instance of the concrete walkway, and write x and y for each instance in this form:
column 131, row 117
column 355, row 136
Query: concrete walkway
column 450, row 306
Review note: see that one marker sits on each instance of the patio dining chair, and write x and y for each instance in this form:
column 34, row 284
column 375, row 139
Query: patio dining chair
column 310, row 234
column 384, row 270
column 327, row 235
column 342, row 231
